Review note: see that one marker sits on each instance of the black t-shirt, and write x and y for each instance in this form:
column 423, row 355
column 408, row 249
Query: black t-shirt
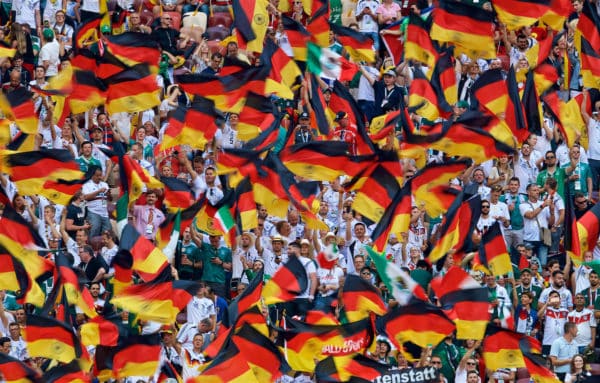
column 77, row 214
column 91, row 269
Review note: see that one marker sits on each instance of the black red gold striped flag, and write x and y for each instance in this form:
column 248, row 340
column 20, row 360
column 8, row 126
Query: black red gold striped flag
column 49, row 338
column 250, row 22
column 590, row 64
column 132, row 48
column 418, row 45
column 137, row 355
column 133, row 90
column 502, row 348
column 68, row 373
column 148, row 261
column 289, row 281
column 360, row 298
column 493, row 256
column 524, row 13
column 297, row 35
column 17, row 106
column 395, row 219
column 588, row 228
column 177, row 193
column 358, row 45
column 15, row 371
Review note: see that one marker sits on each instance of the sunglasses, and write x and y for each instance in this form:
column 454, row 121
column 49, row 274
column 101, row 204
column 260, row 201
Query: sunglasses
column 485, row 207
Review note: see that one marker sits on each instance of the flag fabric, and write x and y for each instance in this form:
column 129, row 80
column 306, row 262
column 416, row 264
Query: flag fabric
column 531, row 103
column 229, row 366
column 588, row 24
column 590, row 64
column 382, row 126
column 245, row 206
column 256, row 116
column 306, row 343
column 443, row 80
column 420, row 323
column 159, row 302
column 86, row 33
column 137, row 355
column 101, row 331
column 318, row 24
column 493, row 256
column 393, row 42
column 298, row 37
column 265, row 359
column 68, row 373
column 15, row 371
column 132, row 48
column 524, row 13
column 288, row 282
column 52, row 339
column 418, row 45
column 163, row 236
column 17, row 106
column 457, row 226
column 148, row 261
column 423, row 98
column 536, row 365
column 402, row 287
column 318, row 160
column 430, row 186
column 133, row 90
column 6, row 50
column 464, row 25
column 135, row 179
column 283, row 69
column 61, row 192
column 16, row 232
column 465, row 301
column 502, row 348
column 246, row 300
column 323, row 62
column 177, row 194
column 515, row 113
column 250, row 22
column 73, row 289
column 395, row 219
column 588, row 229
column 358, row 45
column 15, row 277
column 568, row 116
column 490, row 91
column 360, row 298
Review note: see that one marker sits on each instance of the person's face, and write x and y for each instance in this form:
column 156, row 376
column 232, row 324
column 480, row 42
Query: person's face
column 87, row 150
column 151, row 199
column 293, row 218
column 6, row 347
column 304, row 121
column 436, row 362
column 40, row 73
column 526, row 149
column 80, row 237
column 578, row 362
column 141, row 134
column 214, row 240
column 48, row 212
column 359, row 231
column 165, row 21
column 134, row 19
column 559, row 280
column 490, row 280
column 594, row 279
column 366, row 275
column 215, row 62
column 304, row 249
column 198, row 342
column 344, row 122
column 245, row 241
column 575, row 153
column 323, row 208
column 513, row 186
column 580, row 203
column 60, row 18
column 472, row 378
column 522, row 43
column 579, row 300
column 277, row 245
column 478, row 176
column 534, row 192
column 167, row 171
column 495, row 64
column 232, row 50
column 15, row 331
column 525, row 300
column 256, row 266
column 388, row 79
column 359, row 263
column 485, row 208
column 20, row 315
column 209, row 176
column 526, row 278
column 95, row 291
column 84, row 255
column 97, row 177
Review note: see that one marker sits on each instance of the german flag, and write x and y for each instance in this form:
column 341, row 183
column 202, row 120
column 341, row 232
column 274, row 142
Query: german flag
column 22, row 274
column 196, row 125
column 17, row 106
column 382, row 126
column 17, row 233
column 395, row 219
column 318, row 24
column 101, row 331
column 135, row 179
column 588, row 228
column 524, row 13
column 246, row 300
column 49, row 338
column 87, row 92
column 288, row 282
column 490, row 90
column 265, row 359
column 590, row 64
column 210, row 86
column 74, row 291
column 457, row 226
column 30, row 170
column 133, row 48
column 250, row 22
column 464, row 25
column 420, row 323
column 589, row 24
column 133, row 90
column 357, row 368
column 123, row 276
column 323, row 120
column 266, row 139
column 163, row 235
column 501, row 348
column 15, row 371
column 538, row 54
column 307, row 343
column 317, row 160
column 531, row 104
column 297, row 35
column 568, row 116
column 431, row 185
column 423, row 98
column 160, row 302
column 230, row 366
column 515, row 113
column 137, row 355
column 61, row 191
column 465, row 301
column 545, row 77
column 361, row 298
column 393, row 42
column 536, row 365
column 257, row 115
column 6, row 50
column 69, row 373
column 418, row 45
column 443, row 80
column 284, row 69
column 86, row 33
column 358, row 45
column 148, row 261
column 178, row 194
column 493, row 256
column 168, row 371
column 245, row 206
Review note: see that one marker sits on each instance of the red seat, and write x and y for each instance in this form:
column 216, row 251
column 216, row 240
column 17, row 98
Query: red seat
column 215, row 46
column 594, row 368
column 222, row 19
column 217, row 33
column 146, row 17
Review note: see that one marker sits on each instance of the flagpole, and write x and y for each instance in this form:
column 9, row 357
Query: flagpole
column 285, row 350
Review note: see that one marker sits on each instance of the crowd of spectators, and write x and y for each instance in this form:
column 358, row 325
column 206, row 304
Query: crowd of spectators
column 547, row 296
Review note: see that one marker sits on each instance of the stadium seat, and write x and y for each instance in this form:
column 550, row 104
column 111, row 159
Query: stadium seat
column 146, row 17
column 217, row 33
column 195, row 19
column 222, row 19
column 215, row 46
column 594, row 368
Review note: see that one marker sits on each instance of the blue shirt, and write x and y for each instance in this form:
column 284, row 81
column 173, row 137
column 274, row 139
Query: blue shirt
column 562, row 349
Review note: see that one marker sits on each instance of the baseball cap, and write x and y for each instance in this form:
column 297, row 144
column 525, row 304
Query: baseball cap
column 48, row 33
column 105, row 29
column 390, row 72
column 462, row 104
column 304, row 115
column 340, row 115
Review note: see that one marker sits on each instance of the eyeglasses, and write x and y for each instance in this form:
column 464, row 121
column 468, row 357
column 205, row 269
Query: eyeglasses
column 365, row 273
column 471, row 364
column 550, row 157
column 436, row 362
column 167, row 18
column 485, row 206
column 581, row 202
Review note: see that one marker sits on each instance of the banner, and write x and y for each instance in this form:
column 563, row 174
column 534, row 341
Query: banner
column 410, row 375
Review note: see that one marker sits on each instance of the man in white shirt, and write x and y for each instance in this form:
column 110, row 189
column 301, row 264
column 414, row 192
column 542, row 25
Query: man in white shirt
column 367, row 20
column 537, row 215
column 95, row 192
column 586, row 324
column 50, row 53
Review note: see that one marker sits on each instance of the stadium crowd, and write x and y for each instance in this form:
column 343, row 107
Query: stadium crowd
column 533, row 194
